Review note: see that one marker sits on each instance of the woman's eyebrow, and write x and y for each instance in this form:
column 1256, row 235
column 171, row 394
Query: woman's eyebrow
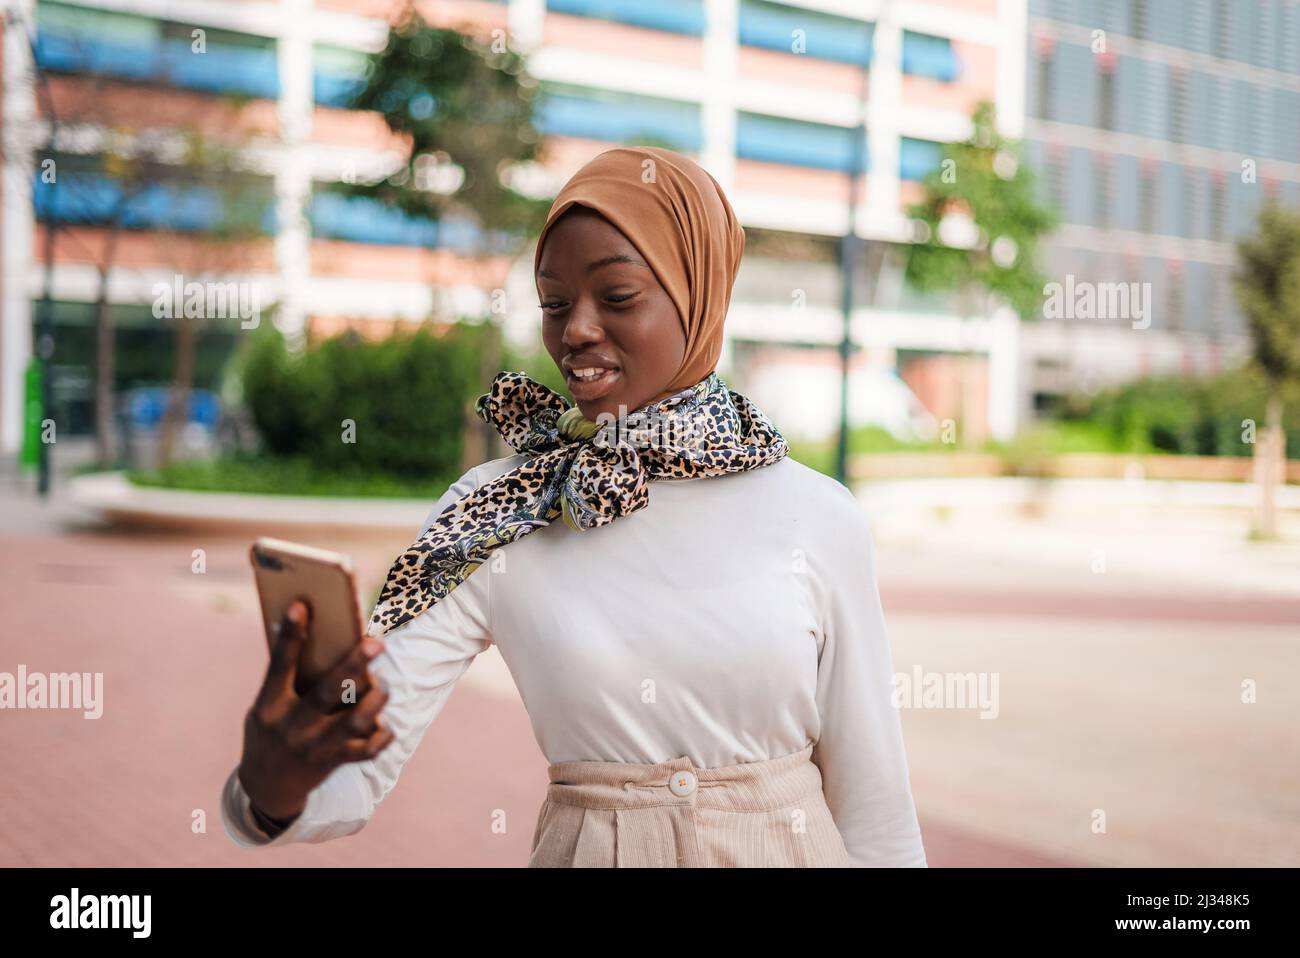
column 616, row 258
column 598, row 264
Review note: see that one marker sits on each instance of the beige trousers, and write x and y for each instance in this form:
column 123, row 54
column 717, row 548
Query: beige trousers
column 674, row 815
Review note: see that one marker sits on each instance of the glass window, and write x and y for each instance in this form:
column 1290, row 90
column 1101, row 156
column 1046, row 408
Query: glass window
column 338, row 74
column 86, row 194
column 796, row 142
column 674, row 16
column 775, row 26
column 564, row 110
column 362, row 219
column 1043, row 82
column 77, row 40
column 917, row 158
column 927, row 56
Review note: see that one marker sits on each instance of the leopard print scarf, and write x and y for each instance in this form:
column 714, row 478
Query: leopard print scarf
column 586, row 473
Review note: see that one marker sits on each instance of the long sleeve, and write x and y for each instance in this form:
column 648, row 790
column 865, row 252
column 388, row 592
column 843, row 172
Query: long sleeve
column 860, row 750
column 421, row 663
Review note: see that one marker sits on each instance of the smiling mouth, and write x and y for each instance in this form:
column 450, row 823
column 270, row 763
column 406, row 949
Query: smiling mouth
column 592, row 382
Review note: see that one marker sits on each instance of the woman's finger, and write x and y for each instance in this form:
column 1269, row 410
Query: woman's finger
column 333, row 690
column 360, row 721
column 291, row 635
column 363, row 749
column 363, row 720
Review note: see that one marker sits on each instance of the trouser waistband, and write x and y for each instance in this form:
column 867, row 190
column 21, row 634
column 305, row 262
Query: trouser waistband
column 748, row 786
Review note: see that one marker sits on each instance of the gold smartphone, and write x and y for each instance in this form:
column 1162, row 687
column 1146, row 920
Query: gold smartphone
column 286, row 571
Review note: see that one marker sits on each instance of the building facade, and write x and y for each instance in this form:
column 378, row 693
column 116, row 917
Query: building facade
column 1158, row 128
column 780, row 101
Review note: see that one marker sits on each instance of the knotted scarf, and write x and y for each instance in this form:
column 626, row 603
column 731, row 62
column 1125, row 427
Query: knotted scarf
column 589, row 473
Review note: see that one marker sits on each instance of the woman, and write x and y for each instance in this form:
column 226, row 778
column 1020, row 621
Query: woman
column 699, row 642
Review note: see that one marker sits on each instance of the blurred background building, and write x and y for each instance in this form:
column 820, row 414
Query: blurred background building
column 1159, row 126
column 1136, row 145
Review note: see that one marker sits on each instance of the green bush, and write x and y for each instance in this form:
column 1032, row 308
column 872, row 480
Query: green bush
column 288, row 477
column 407, row 396
column 536, row 363
column 1200, row 417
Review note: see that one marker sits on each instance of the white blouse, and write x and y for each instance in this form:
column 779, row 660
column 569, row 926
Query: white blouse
column 734, row 619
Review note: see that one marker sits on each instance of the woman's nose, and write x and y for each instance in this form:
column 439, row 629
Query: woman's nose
column 583, row 326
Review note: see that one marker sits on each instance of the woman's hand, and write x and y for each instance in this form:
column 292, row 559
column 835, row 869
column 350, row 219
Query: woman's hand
column 293, row 742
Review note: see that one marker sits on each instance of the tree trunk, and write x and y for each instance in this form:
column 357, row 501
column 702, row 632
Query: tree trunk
column 1270, row 464
column 105, row 357
column 105, row 420
column 178, row 398
column 481, row 440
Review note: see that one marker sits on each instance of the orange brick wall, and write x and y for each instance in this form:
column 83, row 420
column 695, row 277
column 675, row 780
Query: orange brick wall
column 938, row 382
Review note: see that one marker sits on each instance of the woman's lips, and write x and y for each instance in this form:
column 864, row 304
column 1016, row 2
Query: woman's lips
column 586, row 390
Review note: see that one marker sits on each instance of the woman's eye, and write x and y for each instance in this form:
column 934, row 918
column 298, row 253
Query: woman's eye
column 619, row 297
column 551, row 304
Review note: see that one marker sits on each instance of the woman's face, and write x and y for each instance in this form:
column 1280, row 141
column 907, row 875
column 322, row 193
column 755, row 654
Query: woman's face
column 603, row 310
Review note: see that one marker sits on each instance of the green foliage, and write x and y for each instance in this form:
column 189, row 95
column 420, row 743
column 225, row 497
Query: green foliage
column 814, row 455
column 408, row 396
column 1167, row 414
column 536, row 363
column 1202, row 417
column 458, row 102
column 1268, row 288
column 289, row 477
column 987, row 179
column 862, row 439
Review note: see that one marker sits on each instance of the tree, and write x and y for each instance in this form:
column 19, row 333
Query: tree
column 104, row 168
column 979, row 224
column 1267, row 284
column 982, row 182
column 465, row 107
column 118, row 188
column 226, row 245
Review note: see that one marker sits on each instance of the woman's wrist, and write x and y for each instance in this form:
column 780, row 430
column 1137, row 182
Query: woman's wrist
column 272, row 826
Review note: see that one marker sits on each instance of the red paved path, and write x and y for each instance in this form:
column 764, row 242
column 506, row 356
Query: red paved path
column 182, row 655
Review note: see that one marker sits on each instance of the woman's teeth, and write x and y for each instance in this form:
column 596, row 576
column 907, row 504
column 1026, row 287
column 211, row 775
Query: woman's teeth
column 590, row 374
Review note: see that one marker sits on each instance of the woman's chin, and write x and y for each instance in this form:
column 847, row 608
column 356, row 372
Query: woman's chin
column 611, row 407
column 595, row 409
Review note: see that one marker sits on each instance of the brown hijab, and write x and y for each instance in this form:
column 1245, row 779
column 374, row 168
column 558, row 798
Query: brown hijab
column 676, row 215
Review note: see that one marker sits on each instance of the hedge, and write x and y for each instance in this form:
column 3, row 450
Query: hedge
column 401, row 401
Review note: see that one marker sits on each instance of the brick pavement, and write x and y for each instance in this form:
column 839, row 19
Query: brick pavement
column 182, row 655
column 1201, row 780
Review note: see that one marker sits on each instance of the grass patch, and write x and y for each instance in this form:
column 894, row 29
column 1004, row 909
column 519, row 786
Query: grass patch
column 287, row 477
column 1049, row 438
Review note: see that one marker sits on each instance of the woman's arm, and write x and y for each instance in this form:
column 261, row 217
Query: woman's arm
column 420, row 665
column 860, row 750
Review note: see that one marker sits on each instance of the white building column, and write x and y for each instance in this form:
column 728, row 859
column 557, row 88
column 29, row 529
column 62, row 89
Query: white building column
column 526, row 20
column 17, row 224
column 293, row 183
column 884, row 94
column 1013, row 27
column 1004, row 374
column 718, row 107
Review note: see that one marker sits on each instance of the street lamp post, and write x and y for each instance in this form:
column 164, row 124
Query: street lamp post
column 850, row 254
column 45, row 311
